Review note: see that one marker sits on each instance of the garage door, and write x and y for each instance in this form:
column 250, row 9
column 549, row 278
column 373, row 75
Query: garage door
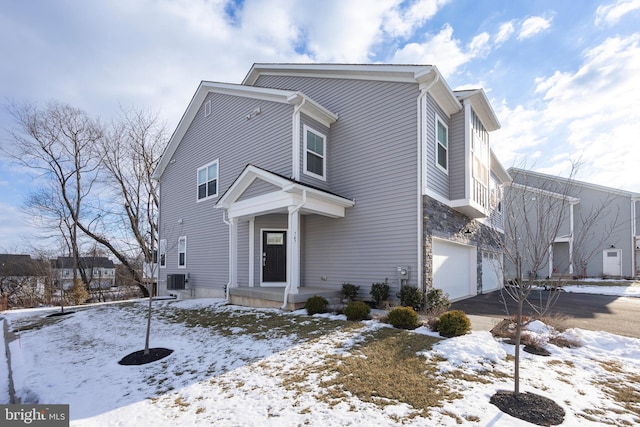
column 454, row 269
column 492, row 278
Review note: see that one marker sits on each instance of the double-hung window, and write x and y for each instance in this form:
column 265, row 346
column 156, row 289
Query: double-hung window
column 442, row 145
column 163, row 252
column 182, row 252
column 208, row 180
column 315, row 149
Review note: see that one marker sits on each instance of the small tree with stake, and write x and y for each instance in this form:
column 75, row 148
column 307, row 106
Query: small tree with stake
column 536, row 212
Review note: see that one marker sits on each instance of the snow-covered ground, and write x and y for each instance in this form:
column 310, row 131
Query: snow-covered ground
column 238, row 379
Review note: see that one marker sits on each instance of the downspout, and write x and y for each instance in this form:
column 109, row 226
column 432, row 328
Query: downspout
column 634, row 233
column 295, row 141
column 288, row 287
column 571, row 231
column 228, row 285
column 422, row 183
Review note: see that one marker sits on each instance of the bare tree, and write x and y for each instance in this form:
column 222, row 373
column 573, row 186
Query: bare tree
column 538, row 213
column 59, row 142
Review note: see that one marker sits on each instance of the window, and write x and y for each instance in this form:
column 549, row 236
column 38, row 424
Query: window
column 163, row 252
column 442, row 146
column 182, row 252
column 208, row 181
column 315, row 145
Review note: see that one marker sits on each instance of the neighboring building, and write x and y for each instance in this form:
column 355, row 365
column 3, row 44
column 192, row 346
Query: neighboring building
column 100, row 271
column 22, row 281
column 307, row 176
column 598, row 226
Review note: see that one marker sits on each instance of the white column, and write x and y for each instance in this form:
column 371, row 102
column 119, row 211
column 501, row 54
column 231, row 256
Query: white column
column 233, row 253
column 252, row 251
column 571, row 239
column 550, row 261
column 293, row 250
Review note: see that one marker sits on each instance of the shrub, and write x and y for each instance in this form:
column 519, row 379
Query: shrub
column 379, row 292
column 410, row 297
column 436, row 302
column 316, row 304
column 349, row 291
column 403, row 318
column 454, row 323
column 357, row 310
column 79, row 293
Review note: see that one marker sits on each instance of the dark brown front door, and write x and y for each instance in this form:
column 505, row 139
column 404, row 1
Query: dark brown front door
column 274, row 256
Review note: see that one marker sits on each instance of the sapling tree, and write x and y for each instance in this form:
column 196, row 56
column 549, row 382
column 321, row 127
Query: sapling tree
column 537, row 213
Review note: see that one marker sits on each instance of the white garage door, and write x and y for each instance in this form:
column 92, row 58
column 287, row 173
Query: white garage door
column 454, row 269
column 491, row 271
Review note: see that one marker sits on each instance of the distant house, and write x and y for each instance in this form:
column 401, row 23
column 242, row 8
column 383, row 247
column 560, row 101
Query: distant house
column 22, row 280
column 598, row 234
column 100, row 271
column 306, row 176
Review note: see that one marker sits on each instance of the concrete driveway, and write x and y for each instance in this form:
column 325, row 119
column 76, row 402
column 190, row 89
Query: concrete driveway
column 617, row 315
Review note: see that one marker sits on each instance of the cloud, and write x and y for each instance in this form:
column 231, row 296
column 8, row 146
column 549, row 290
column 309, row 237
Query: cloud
column 612, row 13
column 440, row 49
column 504, row 33
column 532, row 26
column 403, row 22
column 589, row 114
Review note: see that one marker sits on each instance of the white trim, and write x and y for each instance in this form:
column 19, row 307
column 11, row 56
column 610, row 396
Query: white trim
column 437, row 143
column 468, row 155
column 273, row 284
column 252, row 251
column 184, row 239
column 305, row 149
column 206, row 167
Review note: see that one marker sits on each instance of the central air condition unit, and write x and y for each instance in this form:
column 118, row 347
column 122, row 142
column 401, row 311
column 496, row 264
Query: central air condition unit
column 175, row 281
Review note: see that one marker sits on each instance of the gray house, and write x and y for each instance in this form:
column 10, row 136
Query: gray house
column 597, row 226
column 307, row 176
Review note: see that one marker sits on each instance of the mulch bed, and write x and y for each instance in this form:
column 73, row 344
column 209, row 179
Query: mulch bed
column 529, row 407
column 139, row 358
column 60, row 313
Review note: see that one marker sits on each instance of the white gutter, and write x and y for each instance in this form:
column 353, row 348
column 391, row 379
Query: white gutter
column 226, row 221
column 294, row 211
column 421, row 182
column 295, row 141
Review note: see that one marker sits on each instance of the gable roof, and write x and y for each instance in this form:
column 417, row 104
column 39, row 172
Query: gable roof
column 315, row 200
column 481, row 106
column 516, row 171
column 294, row 98
column 86, row 262
column 424, row 75
column 19, row 266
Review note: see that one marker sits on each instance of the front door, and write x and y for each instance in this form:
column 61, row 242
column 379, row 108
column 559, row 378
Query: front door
column 611, row 262
column 274, row 256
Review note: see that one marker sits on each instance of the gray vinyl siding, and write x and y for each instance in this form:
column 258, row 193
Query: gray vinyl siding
column 437, row 180
column 228, row 136
column 457, row 157
column 257, row 188
column 612, row 226
column 372, row 159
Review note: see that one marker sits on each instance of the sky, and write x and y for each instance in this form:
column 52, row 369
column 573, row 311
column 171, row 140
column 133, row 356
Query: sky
column 272, row 378
column 561, row 75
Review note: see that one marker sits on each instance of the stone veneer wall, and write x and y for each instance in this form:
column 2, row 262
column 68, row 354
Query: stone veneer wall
column 439, row 220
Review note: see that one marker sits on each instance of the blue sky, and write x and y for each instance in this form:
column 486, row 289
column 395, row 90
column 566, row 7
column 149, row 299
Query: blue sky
column 563, row 76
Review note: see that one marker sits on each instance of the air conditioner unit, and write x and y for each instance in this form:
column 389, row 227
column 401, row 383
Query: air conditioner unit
column 175, row 281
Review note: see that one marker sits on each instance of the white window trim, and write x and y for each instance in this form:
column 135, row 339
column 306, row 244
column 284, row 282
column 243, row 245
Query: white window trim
column 437, row 143
column 207, row 108
column 216, row 161
column 306, row 128
column 162, row 250
column 182, row 238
